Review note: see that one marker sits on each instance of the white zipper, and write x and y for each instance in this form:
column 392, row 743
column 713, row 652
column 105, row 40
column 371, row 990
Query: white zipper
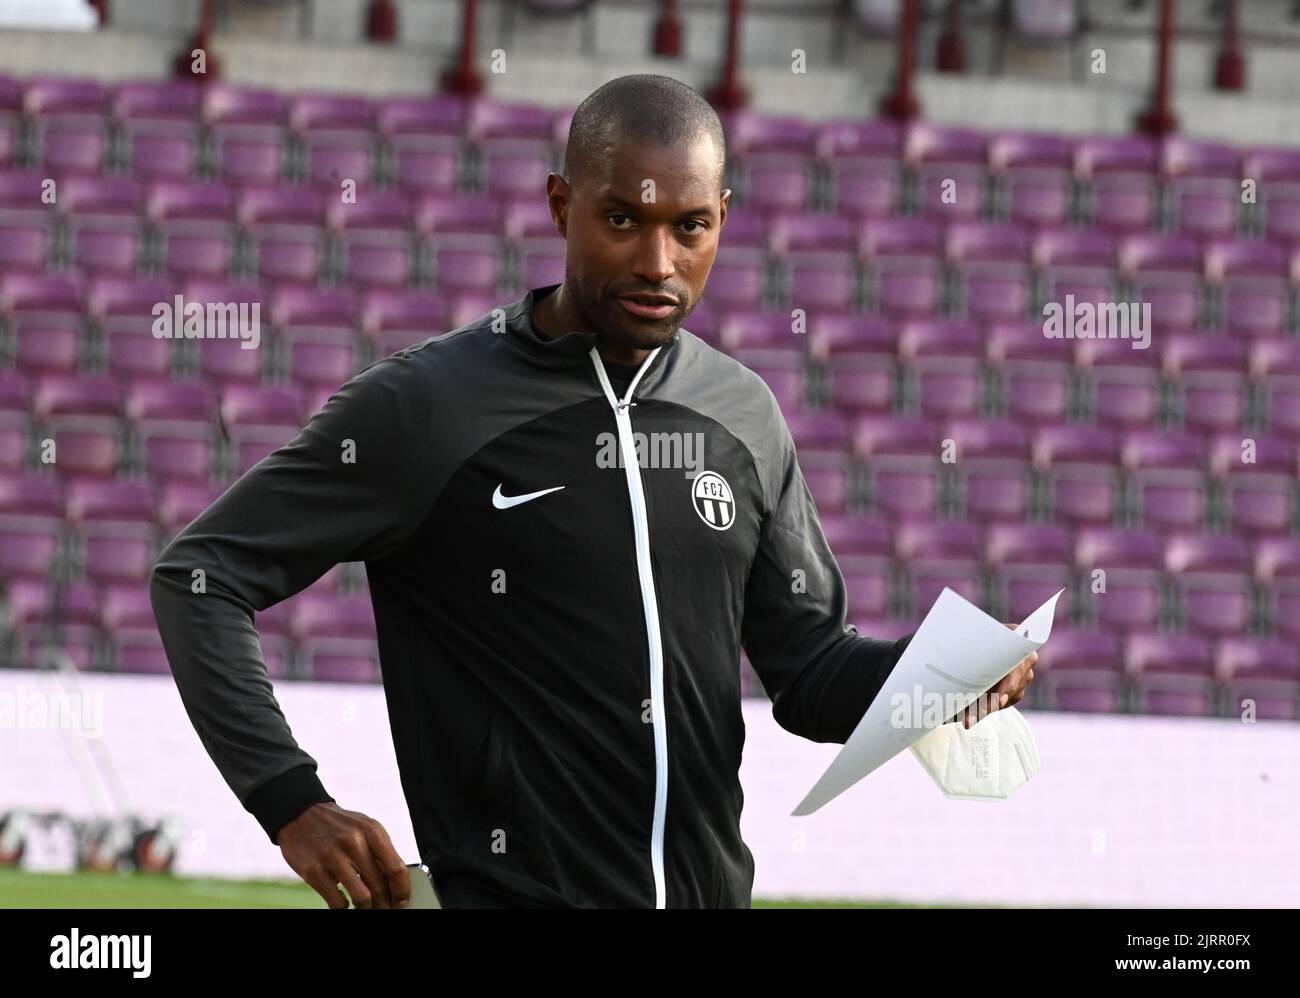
column 650, row 604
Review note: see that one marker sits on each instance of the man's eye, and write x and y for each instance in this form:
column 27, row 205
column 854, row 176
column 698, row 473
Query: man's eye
column 612, row 217
column 701, row 225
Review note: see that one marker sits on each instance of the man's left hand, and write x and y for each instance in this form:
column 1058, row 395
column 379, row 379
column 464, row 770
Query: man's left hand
column 1010, row 690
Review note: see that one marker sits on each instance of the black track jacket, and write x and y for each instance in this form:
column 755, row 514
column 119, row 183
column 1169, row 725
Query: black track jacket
column 559, row 621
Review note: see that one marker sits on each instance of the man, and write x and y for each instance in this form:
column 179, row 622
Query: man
column 559, row 627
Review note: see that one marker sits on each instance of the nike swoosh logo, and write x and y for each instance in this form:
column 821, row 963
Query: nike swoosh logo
column 505, row 502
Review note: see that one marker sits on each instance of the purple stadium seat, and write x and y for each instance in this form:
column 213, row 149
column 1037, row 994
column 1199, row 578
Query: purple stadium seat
column 861, row 160
column 942, row 358
column 1032, row 372
column 195, row 223
column 774, row 183
column 117, row 550
column 1275, row 365
column 901, row 458
column 375, row 237
column 1080, row 464
column 1211, row 576
column 1258, row 475
column 1203, row 181
column 864, row 187
column 123, row 605
column 990, row 263
column 249, row 133
column 1173, row 673
column 336, row 137
column 1277, row 571
column 122, row 308
column 229, row 306
column 1166, row 469
column 515, row 170
column 1118, row 177
column 259, row 420
column 904, row 276
column 950, row 168
column 992, row 469
column 748, row 132
column 1276, row 172
column 472, row 214
column 180, row 502
column 818, row 252
column 28, row 605
column 1127, row 563
column 317, row 331
column 827, row 478
column 337, row 637
column 753, row 331
column 140, row 650
column 1082, row 671
column 172, row 423
column 69, row 126
column 489, row 119
column 26, row 235
column 1210, row 372
column 1166, row 272
column 830, row 333
column 80, row 415
column 1250, row 276
column 1029, row 562
column 867, row 580
column 1033, row 175
column 103, row 219
column 425, row 138
column 939, row 555
column 45, row 342
column 393, row 320
column 15, row 429
column 858, row 535
column 879, row 137
column 783, row 374
column 1123, row 384
column 163, row 150
column 1078, row 262
column 26, row 495
column 159, row 123
column 861, row 376
column 819, row 431
column 285, row 228
column 1264, row 671
column 29, row 545
column 464, row 264
column 738, row 277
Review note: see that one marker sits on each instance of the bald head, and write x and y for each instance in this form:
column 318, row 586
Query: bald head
column 643, row 107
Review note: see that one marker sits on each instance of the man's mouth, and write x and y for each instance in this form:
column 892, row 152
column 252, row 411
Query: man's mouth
column 648, row 306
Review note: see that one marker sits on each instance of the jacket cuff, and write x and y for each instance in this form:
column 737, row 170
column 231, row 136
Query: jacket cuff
column 278, row 801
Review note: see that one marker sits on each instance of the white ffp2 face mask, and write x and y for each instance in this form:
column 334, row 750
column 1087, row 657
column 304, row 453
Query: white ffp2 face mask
column 988, row 761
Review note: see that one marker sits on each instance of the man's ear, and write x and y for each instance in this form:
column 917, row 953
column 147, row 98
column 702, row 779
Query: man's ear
column 558, row 195
column 722, row 207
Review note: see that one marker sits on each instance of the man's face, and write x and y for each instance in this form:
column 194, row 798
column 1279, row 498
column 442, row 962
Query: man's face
column 643, row 221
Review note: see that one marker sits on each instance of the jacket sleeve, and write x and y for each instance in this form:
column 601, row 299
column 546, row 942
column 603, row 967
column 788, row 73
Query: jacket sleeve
column 819, row 672
column 290, row 518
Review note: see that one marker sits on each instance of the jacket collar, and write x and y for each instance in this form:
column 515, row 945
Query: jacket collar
column 568, row 350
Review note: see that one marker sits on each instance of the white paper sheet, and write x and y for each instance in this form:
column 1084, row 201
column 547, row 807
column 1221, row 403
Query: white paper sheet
column 958, row 651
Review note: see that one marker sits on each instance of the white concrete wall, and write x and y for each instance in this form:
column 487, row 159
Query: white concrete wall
column 1125, row 811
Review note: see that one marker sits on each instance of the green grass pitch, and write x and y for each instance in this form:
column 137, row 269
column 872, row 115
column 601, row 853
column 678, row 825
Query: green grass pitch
column 21, row 889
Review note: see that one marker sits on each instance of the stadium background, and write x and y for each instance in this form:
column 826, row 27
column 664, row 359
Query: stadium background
column 917, row 222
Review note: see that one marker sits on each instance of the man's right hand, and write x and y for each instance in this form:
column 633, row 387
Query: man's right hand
column 327, row 845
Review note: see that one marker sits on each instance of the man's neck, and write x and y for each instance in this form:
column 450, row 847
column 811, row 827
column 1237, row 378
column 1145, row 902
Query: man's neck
column 553, row 316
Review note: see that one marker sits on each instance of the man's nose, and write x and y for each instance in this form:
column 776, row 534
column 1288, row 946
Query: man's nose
column 654, row 259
